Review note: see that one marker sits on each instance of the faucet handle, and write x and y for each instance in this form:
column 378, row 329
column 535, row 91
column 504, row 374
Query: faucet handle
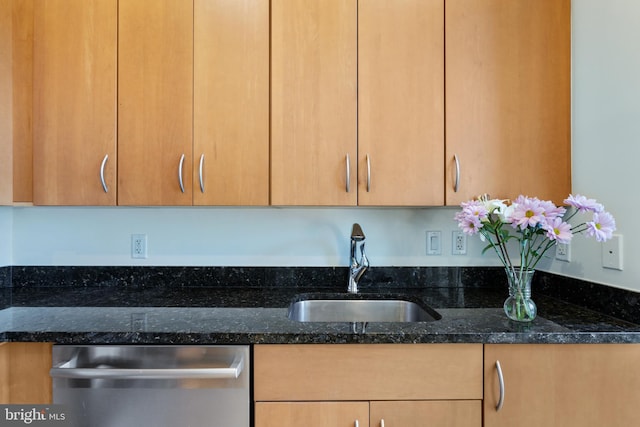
column 356, row 233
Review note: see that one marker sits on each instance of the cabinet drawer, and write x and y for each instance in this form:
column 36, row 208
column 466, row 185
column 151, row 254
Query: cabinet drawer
column 291, row 372
column 312, row 414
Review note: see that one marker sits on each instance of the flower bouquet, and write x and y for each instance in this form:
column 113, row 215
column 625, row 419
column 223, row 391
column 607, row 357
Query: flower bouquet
column 537, row 225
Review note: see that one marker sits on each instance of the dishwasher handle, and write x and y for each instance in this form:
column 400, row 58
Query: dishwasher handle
column 65, row 371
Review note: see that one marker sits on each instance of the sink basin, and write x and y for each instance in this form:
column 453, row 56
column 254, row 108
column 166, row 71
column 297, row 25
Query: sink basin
column 360, row 310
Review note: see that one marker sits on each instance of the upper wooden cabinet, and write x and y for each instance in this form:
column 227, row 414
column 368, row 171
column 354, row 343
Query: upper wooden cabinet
column 74, row 102
column 400, row 102
column 296, row 102
column 155, row 102
column 231, row 102
column 313, row 102
column 508, row 110
column 383, row 146
column 16, row 101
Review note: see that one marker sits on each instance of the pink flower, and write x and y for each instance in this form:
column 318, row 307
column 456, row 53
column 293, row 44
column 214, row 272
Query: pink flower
column 470, row 224
column 475, row 208
column 527, row 212
column 471, row 216
column 551, row 211
column 559, row 230
column 583, row 204
column 602, row 226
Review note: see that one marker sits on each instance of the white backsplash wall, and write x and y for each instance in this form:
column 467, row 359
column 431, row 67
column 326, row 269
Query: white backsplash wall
column 6, row 235
column 234, row 236
column 606, row 149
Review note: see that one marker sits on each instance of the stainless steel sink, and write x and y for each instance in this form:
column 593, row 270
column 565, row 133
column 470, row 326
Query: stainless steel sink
column 360, row 310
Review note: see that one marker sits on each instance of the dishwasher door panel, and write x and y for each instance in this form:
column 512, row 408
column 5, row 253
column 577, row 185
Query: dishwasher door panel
column 139, row 386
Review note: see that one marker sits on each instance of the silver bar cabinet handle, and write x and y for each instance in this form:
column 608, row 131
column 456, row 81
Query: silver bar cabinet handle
column 382, row 422
column 501, row 382
column 102, row 166
column 180, row 173
column 64, row 371
column 200, row 173
column 368, row 174
column 456, row 185
column 357, row 424
column 348, row 187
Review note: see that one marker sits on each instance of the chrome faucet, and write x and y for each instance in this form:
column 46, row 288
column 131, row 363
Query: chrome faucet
column 356, row 268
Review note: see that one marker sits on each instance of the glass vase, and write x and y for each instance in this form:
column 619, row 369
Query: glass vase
column 519, row 306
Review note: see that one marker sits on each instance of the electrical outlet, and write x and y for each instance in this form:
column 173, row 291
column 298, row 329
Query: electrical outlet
column 459, row 243
column 563, row 252
column 138, row 322
column 138, row 246
column 612, row 253
column 434, row 243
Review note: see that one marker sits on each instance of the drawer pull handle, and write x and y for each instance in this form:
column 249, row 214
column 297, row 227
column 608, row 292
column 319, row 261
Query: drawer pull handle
column 357, row 424
column 180, row 173
column 501, row 383
column 102, row 166
column 368, row 174
column 382, row 422
column 456, row 185
column 348, row 188
column 65, row 370
column 200, row 174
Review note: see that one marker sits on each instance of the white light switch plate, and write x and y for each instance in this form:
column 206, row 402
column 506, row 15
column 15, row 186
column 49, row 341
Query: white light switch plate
column 434, row 243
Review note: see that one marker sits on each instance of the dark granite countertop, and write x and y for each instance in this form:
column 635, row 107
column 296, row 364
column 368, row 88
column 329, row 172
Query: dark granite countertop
column 244, row 315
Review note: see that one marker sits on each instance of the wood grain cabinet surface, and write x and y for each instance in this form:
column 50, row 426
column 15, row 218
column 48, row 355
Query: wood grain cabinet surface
column 74, row 102
column 231, row 102
column 357, row 103
column 410, row 385
column 155, row 102
column 313, row 102
column 400, row 102
column 563, row 385
column 16, row 101
column 194, row 103
column 24, row 373
column 288, row 102
column 508, row 98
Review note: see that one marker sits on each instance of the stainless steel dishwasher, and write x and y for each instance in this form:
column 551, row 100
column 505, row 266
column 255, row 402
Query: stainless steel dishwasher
column 121, row 386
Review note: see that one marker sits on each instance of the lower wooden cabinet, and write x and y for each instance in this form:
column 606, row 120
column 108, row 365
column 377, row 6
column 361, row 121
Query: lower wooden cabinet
column 441, row 413
column 24, row 373
column 312, row 414
column 410, row 385
column 461, row 413
column 564, row 385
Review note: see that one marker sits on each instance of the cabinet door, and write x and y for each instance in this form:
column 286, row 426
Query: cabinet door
column 155, row 102
column 400, row 102
column 231, row 102
column 16, row 101
column 312, row 414
column 313, row 102
column 24, row 373
column 563, row 385
column 454, row 413
column 508, row 110
column 74, row 105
